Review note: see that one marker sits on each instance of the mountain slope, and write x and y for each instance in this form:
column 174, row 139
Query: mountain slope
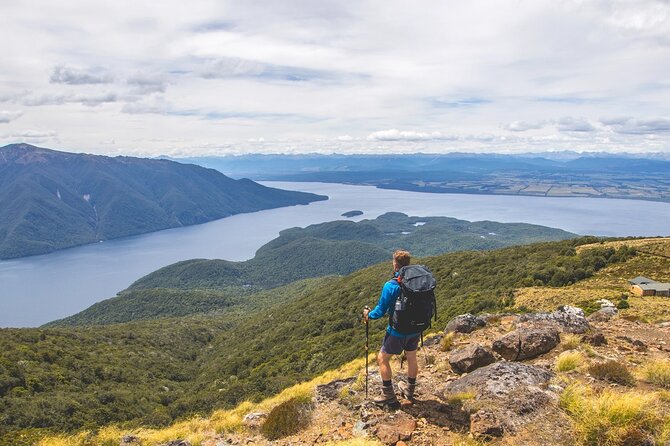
column 152, row 372
column 53, row 200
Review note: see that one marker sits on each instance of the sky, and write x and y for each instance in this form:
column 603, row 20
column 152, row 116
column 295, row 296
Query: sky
column 220, row 77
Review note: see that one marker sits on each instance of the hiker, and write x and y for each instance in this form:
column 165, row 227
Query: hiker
column 394, row 342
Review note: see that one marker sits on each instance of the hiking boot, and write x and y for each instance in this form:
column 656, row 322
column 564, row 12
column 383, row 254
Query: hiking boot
column 407, row 390
column 387, row 398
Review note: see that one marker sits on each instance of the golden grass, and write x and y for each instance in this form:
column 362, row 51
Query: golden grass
column 457, row 399
column 198, row 429
column 569, row 360
column 610, row 283
column 570, row 341
column 657, row 373
column 614, row 418
column 447, row 341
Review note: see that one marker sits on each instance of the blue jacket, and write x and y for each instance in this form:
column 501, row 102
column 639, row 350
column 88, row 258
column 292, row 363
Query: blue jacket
column 386, row 306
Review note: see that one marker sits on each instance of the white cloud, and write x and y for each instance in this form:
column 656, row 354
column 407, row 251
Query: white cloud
column 633, row 126
column 570, row 124
column 74, row 76
column 9, row 116
column 397, row 135
column 522, row 126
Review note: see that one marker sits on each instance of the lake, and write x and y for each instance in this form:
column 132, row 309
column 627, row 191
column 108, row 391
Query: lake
column 39, row 289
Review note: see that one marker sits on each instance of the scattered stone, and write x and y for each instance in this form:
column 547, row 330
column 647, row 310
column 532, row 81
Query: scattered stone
column 484, row 425
column 400, row 428
column 465, row 323
column 331, row 391
column 526, row 343
column 360, row 429
column 567, row 318
column 254, row 419
column 470, row 358
column 401, row 443
column 433, row 340
column 177, row 443
column 604, row 314
column 639, row 345
column 595, row 339
column 663, row 325
column 129, row 440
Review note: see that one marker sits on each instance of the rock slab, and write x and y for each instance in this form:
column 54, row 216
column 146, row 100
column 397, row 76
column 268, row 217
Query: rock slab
column 465, row 323
column 470, row 358
column 526, row 343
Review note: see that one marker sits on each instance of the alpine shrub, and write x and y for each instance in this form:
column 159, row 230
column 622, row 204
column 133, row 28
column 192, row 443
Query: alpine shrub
column 288, row 418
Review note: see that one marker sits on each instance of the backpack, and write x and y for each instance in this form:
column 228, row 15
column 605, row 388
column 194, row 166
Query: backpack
column 416, row 305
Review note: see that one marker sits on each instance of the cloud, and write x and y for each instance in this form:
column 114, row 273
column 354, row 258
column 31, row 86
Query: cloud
column 633, row 126
column 157, row 106
column 9, row 116
column 147, row 84
column 69, row 98
column 62, row 74
column 522, row 126
column 232, row 67
column 458, row 102
column 570, row 124
column 397, row 135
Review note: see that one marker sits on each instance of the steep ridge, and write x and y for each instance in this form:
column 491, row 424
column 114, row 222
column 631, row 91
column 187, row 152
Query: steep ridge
column 605, row 381
column 54, row 200
column 332, row 248
column 153, row 372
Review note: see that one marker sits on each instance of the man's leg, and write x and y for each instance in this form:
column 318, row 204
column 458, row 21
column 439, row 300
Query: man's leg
column 408, row 388
column 412, row 365
column 384, row 360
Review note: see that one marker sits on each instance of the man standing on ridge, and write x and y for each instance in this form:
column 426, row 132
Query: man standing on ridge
column 394, row 342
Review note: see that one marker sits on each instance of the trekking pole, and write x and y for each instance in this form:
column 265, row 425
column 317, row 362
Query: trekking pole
column 367, row 356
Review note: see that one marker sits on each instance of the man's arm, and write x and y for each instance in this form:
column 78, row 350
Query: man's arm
column 386, row 299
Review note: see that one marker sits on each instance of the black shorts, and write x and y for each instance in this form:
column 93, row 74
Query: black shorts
column 394, row 345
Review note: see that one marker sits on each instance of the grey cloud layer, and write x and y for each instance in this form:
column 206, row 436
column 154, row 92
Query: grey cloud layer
column 373, row 74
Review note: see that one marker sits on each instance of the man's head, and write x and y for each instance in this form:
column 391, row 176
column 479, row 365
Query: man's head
column 400, row 258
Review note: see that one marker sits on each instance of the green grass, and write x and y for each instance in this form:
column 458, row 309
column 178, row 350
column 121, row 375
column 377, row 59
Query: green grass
column 569, row 360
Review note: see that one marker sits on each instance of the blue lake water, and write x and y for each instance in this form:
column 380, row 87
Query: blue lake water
column 39, row 289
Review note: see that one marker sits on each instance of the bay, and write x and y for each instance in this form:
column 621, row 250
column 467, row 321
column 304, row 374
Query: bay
column 36, row 290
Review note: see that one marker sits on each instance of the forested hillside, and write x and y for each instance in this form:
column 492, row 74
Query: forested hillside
column 52, row 200
column 152, row 372
column 332, row 248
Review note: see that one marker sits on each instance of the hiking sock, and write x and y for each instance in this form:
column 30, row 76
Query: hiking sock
column 386, row 383
column 411, row 381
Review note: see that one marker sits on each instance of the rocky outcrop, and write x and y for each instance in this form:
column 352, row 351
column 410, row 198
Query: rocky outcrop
column 400, row 428
column 331, row 391
column 566, row 318
column 470, row 358
column 526, row 343
column 465, row 323
column 595, row 339
column 512, row 393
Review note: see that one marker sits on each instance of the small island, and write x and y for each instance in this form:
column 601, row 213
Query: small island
column 350, row 214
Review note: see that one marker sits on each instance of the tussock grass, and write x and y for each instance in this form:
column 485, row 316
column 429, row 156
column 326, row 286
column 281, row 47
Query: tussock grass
column 612, row 371
column 657, row 373
column 614, row 418
column 569, row 360
column 288, row 418
column 570, row 341
column 447, row 341
column 198, row 429
column 457, row 399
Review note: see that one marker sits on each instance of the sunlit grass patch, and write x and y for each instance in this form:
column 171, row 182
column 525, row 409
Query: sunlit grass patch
column 447, row 341
column 289, row 417
column 457, row 399
column 613, row 418
column 569, row 360
column 570, row 341
column 657, row 373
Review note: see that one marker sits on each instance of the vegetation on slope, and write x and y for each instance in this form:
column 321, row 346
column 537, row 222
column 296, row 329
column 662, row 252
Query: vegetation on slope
column 333, row 248
column 153, row 372
column 52, row 200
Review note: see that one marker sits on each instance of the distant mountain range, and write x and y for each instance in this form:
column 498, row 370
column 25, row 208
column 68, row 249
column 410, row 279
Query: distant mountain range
column 595, row 175
column 332, row 248
column 51, row 200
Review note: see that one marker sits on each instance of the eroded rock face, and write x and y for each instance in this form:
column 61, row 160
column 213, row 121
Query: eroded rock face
column 603, row 315
column 566, row 318
column 470, row 358
column 392, row 431
column 465, row 323
column 526, row 343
